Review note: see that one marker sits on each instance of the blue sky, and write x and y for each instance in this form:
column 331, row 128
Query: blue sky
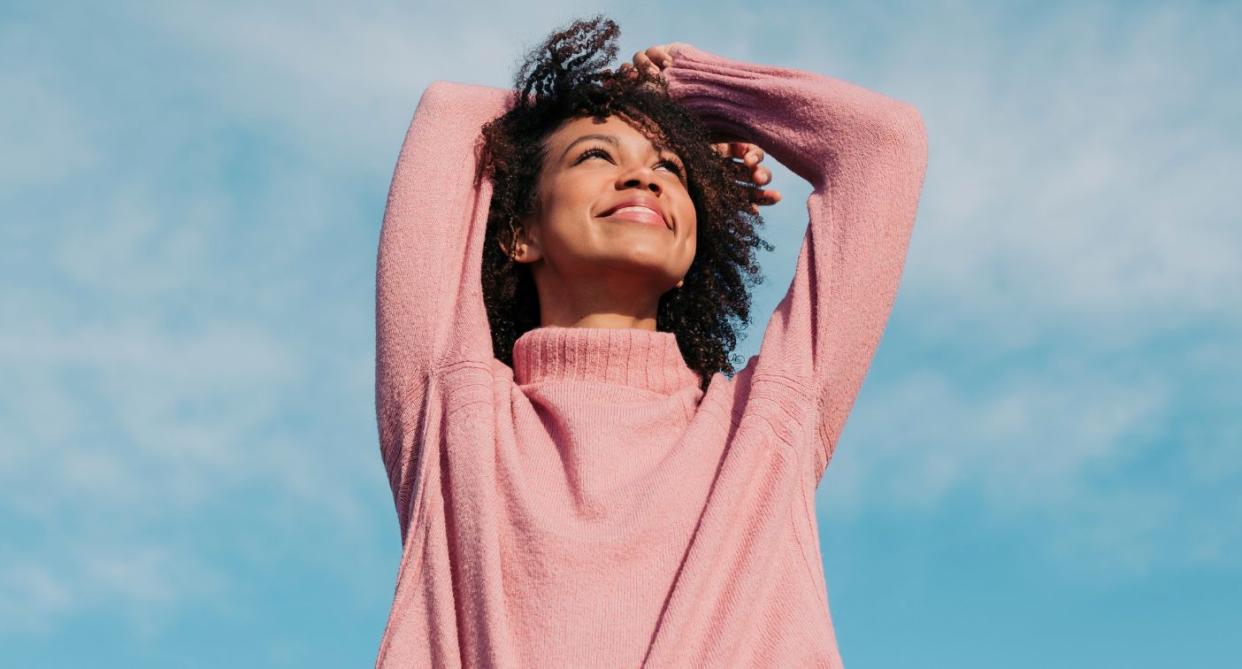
column 1044, row 466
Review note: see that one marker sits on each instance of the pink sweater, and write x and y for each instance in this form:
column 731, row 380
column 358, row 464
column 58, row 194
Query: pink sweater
column 591, row 506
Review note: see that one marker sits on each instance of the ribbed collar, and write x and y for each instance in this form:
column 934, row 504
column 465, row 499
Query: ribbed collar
column 625, row 356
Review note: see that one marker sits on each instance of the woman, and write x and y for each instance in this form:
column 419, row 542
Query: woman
column 579, row 479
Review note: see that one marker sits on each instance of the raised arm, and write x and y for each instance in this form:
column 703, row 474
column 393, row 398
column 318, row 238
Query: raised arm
column 865, row 155
column 428, row 299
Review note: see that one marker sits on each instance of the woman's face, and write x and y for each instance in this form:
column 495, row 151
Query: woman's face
column 613, row 212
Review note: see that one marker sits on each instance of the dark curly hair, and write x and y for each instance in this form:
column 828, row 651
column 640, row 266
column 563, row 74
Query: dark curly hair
column 565, row 78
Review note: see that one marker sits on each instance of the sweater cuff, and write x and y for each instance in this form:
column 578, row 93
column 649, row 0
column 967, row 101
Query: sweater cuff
column 718, row 89
column 802, row 119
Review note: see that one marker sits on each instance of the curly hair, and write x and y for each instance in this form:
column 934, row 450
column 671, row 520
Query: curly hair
column 564, row 78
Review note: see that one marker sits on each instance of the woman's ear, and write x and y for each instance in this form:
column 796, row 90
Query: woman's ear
column 522, row 245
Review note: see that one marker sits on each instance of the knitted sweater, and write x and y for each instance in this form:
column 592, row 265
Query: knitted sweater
column 591, row 505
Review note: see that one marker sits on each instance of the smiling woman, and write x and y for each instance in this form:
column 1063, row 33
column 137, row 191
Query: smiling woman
column 613, row 228
column 577, row 480
column 582, row 137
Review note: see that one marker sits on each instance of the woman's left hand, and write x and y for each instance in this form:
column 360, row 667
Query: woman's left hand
column 653, row 60
column 751, row 156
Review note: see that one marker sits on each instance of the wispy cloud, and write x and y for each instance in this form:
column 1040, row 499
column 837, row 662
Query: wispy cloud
column 191, row 200
column 1079, row 173
column 344, row 82
column 1062, row 341
column 163, row 320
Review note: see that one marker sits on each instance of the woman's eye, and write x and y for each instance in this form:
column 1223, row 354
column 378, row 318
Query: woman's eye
column 593, row 152
column 672, row 166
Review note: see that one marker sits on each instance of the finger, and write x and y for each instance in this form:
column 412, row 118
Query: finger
column 770, row 197
column 761, row 176
column 660, row 56
column 738, row 149
column 643, row 62
column 754, row 155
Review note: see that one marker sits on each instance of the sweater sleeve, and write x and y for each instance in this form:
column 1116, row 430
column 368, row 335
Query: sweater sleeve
column 865, row 156
column 429, row 298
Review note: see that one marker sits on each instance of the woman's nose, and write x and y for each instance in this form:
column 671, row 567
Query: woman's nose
column 643, row 177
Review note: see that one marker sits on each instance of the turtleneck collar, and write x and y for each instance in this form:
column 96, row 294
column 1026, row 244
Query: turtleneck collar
column 645, row 359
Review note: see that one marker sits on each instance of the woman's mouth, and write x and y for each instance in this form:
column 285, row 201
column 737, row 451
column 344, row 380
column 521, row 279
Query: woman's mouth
column 638, row 214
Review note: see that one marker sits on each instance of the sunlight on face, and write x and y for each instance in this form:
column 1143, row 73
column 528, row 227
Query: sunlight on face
column 582, row 231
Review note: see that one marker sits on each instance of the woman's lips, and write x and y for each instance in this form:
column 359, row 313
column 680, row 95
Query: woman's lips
column 639, row 215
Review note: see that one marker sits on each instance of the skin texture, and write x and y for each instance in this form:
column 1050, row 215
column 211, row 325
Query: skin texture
column 570, row 76
column 653, row 60
column 607, row 272
column 596, row 271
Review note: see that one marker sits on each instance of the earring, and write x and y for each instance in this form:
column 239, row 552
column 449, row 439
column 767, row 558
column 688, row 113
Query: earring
column 513, row 245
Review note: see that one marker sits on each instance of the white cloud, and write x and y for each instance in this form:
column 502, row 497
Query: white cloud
column 1127, row 469
column 1079, row 172
column 33, row 596
column 122, row 417
column 1026, row 440
column 1068, row 300
column 343, row 80
column 140, row 583
column 45, row 137
column 1079, row 199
